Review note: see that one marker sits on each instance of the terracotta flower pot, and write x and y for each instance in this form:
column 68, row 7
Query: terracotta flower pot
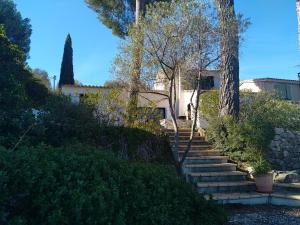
column 264, row 183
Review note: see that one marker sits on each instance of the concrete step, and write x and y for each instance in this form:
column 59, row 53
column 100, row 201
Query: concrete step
column 206, row 160
column 180, row 130
column 243, row 198
column 287, row 187
column 187, row 138
column 217, row 176
column 254, row 198
column 195, row 153
column 225, row 187
column 221, row 167
column 195, row 141
column 183, row 134
column 195, row 147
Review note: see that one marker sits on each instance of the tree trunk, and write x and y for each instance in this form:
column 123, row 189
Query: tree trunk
column 229, row 92
column 172, row 99
column 298, row 17
column 137, row 64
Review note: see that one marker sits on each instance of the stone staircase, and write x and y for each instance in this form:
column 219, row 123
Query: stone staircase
column 216, row 178
column 209, row 171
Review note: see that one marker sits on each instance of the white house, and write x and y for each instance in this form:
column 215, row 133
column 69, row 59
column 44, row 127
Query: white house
column 211, row 80
column 287, row 89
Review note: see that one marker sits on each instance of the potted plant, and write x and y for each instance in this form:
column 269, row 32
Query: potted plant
column 263, row 176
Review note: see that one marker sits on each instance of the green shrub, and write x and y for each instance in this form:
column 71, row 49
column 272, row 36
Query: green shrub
column 261, row 167
column 19, row 93
column 59, row 122
column 209, row 104
column 239, row 140
column 260, row 113
column 138, row 145
column 82, row 185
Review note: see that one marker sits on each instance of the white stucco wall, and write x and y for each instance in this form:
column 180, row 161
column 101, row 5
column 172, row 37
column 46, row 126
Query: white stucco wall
column 145, row 99
column 250, row 85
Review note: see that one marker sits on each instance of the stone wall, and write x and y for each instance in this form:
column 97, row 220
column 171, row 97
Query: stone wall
column 284, row 152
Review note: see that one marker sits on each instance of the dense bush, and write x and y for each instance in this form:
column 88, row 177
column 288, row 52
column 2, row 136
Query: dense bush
column 260, row 113
column 19, row 93
column 209, row 104
column 81, row 185
column 139, row 145
column 59, row 122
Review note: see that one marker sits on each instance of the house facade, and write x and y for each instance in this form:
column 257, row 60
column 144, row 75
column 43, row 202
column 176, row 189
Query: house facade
column 287, row 89
column 211, row 80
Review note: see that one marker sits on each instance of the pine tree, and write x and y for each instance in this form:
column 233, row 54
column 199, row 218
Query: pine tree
column 66, row 71
column 119, row 15
column 229, row 92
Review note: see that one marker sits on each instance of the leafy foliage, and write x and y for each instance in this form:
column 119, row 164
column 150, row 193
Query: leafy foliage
column 66, row 70
column 19, row 92
column 18, row 30
column 260, row 113
column 79, row 184
column 42, row 76
column 117, row 15
column 261, row 167
column 108, row 106
column 209, row 104
column 57, row 120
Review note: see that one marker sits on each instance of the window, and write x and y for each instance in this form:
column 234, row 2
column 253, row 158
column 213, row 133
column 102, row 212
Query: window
column 161, row 112
column 207, row 83
column 284, row 91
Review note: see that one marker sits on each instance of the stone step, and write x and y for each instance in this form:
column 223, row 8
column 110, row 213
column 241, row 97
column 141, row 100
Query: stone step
column 245, row 198
column 180, row 130
column 194, row 141
column 217, row 176
column 225, row 187
column 183, row 134
column 254, row 198
column 195, row 153
column 195, row 168
column 195, row 144
column 206, row 159
column 187, row 138
column 195, row 147
column 287, row 187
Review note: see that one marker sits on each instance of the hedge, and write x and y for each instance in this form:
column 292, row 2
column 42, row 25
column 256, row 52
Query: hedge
column 82, row 185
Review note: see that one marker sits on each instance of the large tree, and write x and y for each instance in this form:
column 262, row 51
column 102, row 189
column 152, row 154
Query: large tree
column 120, row 15
column 19, row 92
column 18, row 30
column 229, row 93
column 180, row 38
column 66, row 71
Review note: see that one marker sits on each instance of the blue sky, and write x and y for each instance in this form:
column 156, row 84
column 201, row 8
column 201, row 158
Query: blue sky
column 270, row 48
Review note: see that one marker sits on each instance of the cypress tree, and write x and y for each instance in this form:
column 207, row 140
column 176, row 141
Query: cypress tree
column 66, row 71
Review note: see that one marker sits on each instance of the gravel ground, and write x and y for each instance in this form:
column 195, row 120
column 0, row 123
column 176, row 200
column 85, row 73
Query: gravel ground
column 266, row 215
